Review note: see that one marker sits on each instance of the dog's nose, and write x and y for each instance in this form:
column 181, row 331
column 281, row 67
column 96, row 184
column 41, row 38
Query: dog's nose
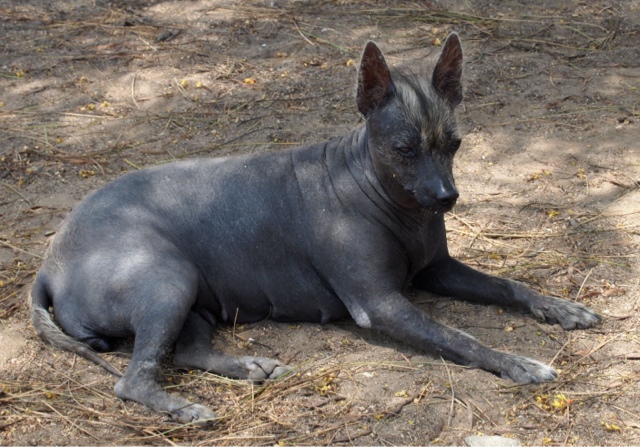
column 447, row 198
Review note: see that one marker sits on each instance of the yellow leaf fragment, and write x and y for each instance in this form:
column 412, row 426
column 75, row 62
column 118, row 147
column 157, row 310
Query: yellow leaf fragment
column 552, row 213
column 610, row 427
column 249, row 81
column 561, row 402
column 328, row 386
column 402, row 393
column 555, row 404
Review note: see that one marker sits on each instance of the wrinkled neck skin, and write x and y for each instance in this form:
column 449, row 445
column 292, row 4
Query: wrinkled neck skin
column 359, row 161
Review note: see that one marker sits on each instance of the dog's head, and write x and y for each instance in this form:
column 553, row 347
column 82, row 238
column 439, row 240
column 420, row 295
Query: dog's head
column 412, row 128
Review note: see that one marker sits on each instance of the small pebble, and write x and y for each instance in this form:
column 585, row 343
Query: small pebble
column 491, row 441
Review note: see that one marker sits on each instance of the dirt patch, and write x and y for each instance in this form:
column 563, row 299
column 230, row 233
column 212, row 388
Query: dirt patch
column 549, row 174
column 12, row 342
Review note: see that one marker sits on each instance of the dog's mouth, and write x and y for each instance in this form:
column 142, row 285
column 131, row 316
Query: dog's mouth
column 440, row 209
column 436, row 206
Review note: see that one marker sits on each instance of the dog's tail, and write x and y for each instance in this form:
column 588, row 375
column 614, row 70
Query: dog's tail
column 51, row 333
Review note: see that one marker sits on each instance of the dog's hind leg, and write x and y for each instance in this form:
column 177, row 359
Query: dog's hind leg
column 193, row 350
column 157, row 322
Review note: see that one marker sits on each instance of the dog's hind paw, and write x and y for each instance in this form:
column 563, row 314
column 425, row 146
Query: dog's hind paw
column 260, row 368
column 525, row 370
column 195, row 414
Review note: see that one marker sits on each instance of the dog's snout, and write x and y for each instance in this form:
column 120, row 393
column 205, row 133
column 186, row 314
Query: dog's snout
column 447, row 197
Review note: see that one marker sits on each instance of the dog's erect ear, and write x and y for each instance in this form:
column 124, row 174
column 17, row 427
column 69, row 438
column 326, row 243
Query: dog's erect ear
column 448, row 71
column 374, row 80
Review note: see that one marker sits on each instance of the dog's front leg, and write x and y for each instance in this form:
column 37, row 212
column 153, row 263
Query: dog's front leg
column 395, row 316
column 450, row 277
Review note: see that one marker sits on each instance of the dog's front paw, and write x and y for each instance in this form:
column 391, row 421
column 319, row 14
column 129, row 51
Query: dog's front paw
column 525, row 370
column 569, row 314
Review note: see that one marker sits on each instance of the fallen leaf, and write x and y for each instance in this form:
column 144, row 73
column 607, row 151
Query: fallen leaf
column 614, row 292
column 610, row 427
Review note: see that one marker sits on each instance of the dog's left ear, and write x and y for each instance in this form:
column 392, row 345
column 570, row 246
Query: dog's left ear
column 374, row 80
column 447, row 74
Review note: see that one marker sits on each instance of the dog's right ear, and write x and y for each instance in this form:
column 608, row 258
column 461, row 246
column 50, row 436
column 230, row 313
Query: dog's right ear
column 374, row 80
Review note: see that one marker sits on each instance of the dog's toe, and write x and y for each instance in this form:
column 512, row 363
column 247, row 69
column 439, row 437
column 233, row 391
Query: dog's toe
column 569, row 314
column 261, row 369
column 279, row 371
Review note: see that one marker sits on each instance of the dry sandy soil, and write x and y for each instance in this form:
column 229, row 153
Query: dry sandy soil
column 549, row 173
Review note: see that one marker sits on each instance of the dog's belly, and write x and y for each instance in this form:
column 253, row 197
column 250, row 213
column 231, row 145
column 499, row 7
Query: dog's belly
column 279, row 300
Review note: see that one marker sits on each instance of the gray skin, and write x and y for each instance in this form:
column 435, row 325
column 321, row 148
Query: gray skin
column 321, row 233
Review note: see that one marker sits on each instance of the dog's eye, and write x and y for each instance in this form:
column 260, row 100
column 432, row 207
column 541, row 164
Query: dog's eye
column 405, row 151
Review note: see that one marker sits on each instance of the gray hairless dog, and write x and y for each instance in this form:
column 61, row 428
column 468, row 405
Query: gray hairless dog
column 324, row 232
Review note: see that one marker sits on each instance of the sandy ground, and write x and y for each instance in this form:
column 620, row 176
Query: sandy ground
column 549, row 174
